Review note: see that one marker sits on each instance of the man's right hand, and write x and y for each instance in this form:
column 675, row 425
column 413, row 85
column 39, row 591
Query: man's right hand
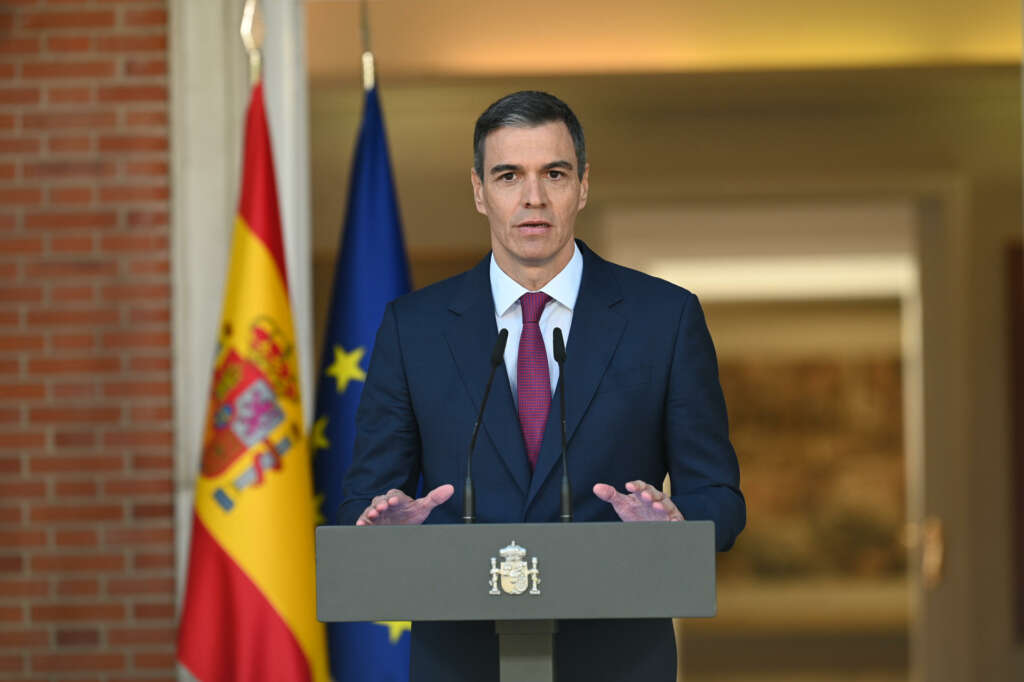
column 395, row 508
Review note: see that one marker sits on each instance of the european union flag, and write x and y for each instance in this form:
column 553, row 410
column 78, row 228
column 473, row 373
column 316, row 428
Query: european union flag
column 371, row 271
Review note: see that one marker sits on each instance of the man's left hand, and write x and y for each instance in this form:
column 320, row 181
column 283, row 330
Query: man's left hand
column 643, row 502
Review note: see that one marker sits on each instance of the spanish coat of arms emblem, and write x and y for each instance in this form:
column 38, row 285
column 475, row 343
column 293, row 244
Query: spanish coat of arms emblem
column 513, row 575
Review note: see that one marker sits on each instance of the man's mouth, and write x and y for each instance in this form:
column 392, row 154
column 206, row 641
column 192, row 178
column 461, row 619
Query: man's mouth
column 534, row 224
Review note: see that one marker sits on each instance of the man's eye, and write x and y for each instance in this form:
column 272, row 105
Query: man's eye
column 555, row 174
column 507, row 177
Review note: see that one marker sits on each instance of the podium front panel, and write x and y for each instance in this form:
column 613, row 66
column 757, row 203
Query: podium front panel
column 583, row 570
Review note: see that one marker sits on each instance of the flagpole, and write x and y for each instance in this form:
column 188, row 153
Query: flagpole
column 252, row 32
column 369, row 75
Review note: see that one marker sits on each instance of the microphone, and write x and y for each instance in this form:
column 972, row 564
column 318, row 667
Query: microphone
column 468, row 502
column 559, row 352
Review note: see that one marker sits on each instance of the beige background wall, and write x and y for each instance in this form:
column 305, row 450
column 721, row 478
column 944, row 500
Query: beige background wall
column 693, row 128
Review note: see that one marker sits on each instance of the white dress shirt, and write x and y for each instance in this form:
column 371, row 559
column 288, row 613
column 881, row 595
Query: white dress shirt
column 563, row 290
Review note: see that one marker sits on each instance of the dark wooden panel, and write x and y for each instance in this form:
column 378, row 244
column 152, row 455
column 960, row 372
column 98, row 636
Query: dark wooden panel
column 1015, row 269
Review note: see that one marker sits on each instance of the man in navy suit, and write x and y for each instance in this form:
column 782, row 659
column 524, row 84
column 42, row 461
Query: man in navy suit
column 641, row 388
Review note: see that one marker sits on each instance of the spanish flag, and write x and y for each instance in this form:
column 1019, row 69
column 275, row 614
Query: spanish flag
column 249, row 611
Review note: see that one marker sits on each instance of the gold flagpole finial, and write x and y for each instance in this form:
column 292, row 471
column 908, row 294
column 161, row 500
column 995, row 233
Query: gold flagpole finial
column 369, row 76
column 252, row 32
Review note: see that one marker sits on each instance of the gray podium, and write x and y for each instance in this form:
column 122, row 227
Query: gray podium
column 522, row 576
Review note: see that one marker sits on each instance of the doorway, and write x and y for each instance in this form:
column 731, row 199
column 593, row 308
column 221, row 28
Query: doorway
column 817, row 586
column 817, row 302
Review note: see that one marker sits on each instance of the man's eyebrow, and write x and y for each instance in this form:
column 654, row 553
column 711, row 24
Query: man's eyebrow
column 506, row 167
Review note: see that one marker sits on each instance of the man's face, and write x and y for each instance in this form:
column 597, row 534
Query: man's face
column 531, row 192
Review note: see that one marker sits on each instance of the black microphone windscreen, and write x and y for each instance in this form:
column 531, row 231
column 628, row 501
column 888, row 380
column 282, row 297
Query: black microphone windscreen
column 559, row 345
column 498, row 354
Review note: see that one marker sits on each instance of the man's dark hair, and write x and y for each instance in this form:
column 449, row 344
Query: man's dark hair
column 527, row 109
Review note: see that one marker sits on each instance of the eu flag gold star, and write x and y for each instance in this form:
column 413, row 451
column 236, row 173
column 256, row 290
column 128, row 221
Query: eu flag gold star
column 318, row 509
column 318, row 439
column 346, row 367
column 395, row 628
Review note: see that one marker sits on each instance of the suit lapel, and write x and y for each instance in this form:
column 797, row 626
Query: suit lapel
column 471, row 335
column 594, row 335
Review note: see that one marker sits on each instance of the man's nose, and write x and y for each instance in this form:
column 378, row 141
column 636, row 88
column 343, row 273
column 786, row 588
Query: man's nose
column 533, row 193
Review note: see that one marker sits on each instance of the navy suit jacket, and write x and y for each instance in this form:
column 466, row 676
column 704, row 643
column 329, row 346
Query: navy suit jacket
column 642, row 400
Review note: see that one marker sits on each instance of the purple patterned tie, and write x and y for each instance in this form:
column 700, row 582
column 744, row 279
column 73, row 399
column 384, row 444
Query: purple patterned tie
column 532, row 380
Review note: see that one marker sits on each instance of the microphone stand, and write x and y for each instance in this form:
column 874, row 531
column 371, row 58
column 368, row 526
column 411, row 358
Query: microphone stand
column 468, row 501
column 559, row 352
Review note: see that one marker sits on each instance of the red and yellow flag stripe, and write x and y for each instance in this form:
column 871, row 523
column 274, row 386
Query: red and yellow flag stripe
column 249, row 610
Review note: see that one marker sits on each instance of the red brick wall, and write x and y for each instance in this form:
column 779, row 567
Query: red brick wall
column 86, row 530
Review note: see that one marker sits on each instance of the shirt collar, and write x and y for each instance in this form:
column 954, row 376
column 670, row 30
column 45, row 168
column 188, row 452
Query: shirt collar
column 563, row 287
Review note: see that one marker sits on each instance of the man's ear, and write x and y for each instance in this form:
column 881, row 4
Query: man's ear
column 584, row 187
column 478, row 191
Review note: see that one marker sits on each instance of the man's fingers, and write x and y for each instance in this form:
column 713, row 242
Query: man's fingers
column 440, row 494
column 652, row 495
column 606, row 492
column 381, row 498
column 396, row 507
column 643, row 502
column 379, row 505
column 391, row 498
column 670, row 509
column 646, row 492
